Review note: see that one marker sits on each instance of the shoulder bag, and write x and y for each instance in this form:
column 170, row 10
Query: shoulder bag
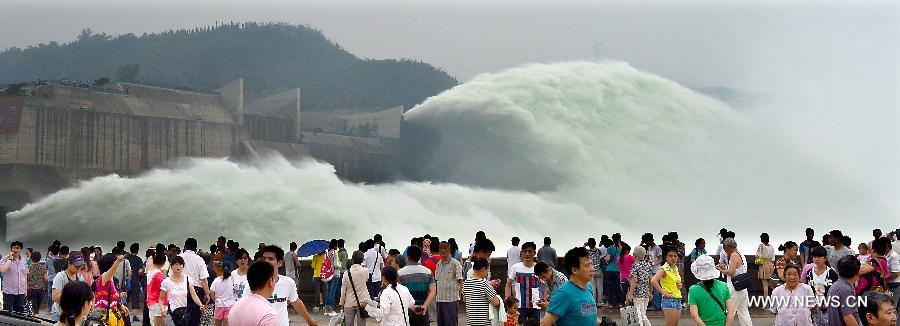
column 402, row 308
column 362, row 312
column 741, row 281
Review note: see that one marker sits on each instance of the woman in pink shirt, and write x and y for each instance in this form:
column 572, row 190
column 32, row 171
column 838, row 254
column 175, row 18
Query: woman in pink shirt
column 626, row 260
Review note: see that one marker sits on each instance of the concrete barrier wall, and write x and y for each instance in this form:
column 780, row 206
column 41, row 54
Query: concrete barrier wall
column 127, row 144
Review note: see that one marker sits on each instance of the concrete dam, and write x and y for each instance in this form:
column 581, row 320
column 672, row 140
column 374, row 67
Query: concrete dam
column 52, row 136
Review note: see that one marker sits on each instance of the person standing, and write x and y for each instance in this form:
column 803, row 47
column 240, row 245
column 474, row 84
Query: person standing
column 710, row 300
column 480, row 295
column 820, row 277
column 223, row 293
column 893, row 280
column 790, row 257
column 291, row 261
column 765, row 258
column 420, row 282
column 524, row 285
column 177, row 290
column 285, row 289
column 196, row 270
column 807, row 245
column 844, row 313
column 552, row 280
column 75, row 303
column 612, row 288
column 15, row 272
column 547, row 254
column 639, row 292
column 734, row 265
column 513, row 254
column 789, row 300
column 354, row 291
column 320, row 287
column 138, row 276
column 374, row 258
column 655, row 257
column 573, row 303
column 838, row 248
column 393, row 301
column 596, row 254
column 74, row 263
column 155, row 276
column 449, row 279
column 37, row 281
column 481, row 250
column 255, row 309
column 699, row 249
column 668, row 282
column 626, row 261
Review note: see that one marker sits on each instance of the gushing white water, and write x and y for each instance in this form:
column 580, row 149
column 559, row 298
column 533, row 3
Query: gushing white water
column 581, row 149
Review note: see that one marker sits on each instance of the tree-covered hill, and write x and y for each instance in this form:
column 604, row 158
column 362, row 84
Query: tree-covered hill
column 270, row 57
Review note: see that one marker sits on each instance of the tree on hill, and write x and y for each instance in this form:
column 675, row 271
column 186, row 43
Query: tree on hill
column 270, row 57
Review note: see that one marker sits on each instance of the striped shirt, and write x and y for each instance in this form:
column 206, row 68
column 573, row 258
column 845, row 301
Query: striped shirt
column 478, row 301
column 418, row 280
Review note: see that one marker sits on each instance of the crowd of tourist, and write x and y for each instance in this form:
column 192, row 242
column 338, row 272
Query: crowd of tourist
column 429, row 281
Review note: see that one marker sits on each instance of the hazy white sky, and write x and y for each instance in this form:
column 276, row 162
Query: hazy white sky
column 830, row 69
column 700, row 43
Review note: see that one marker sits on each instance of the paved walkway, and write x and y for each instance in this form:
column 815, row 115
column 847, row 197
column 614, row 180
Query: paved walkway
column 760, row 318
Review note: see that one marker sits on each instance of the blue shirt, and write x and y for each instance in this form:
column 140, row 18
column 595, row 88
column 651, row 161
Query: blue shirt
column 573, row 305
column 613, row 253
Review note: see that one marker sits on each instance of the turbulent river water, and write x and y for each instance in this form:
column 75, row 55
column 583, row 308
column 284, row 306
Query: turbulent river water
column 568, row 150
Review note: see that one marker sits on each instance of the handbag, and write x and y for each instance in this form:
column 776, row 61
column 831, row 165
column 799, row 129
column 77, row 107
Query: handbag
column 182, row 316
column 362, row 312
column 629, row 316
column 760, row 261
column 741, row 282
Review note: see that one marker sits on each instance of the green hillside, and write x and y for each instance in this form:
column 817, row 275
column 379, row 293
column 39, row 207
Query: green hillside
column 270, row 57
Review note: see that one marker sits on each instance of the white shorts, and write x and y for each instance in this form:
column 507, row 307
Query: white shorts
column 155, row 310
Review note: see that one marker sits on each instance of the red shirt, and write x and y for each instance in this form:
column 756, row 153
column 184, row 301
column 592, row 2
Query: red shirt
column 432, row 262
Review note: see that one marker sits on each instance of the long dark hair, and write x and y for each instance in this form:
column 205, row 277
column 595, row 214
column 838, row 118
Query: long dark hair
column 707, row 284
column 72, row 300
column 226, row 272
column 390, row 274
column 625, row 248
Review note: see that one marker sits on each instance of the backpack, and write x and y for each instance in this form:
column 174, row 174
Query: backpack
column 327, row 271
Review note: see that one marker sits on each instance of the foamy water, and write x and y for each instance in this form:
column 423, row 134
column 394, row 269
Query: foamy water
column 569, row 150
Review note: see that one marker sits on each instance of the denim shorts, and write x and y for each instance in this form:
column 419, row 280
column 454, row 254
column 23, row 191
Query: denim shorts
column 671, row 303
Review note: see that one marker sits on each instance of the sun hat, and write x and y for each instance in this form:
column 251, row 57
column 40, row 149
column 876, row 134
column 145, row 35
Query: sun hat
column 704, row 268
column 76, row 259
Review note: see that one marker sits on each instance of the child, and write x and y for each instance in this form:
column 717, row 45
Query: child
column 223, row 291
column 511, row 305
column 864, row 255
